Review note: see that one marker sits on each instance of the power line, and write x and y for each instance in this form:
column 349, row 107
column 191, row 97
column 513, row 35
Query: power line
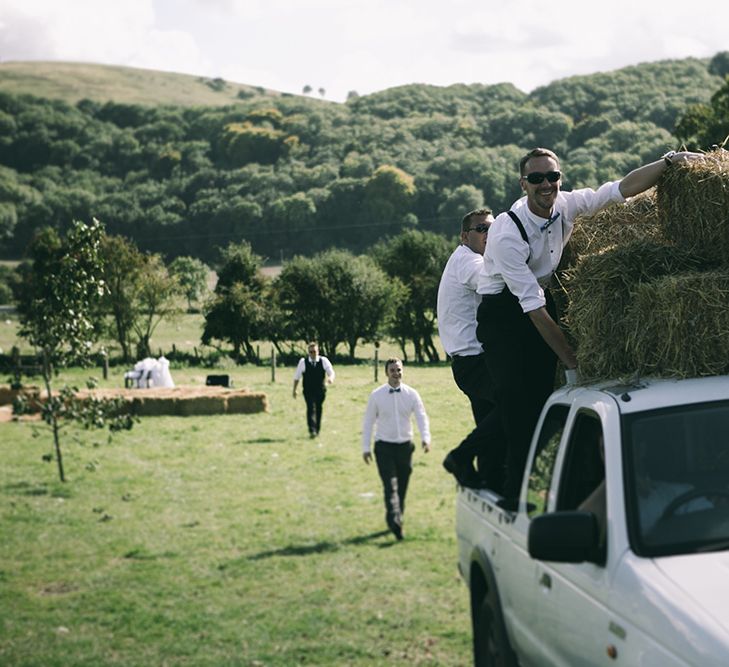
column 282, row 232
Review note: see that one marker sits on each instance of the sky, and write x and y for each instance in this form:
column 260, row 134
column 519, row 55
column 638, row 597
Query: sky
column 339, row 46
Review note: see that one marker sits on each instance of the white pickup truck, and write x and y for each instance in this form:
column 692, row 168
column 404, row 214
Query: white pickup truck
column 618, row 553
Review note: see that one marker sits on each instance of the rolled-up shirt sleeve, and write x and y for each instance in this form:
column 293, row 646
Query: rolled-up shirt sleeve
column 509, row 257
column 507, row 253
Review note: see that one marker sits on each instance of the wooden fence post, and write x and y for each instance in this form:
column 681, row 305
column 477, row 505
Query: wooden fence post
column 105, row 363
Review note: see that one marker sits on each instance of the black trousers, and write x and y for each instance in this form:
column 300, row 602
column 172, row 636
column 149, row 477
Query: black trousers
column 314, row 403
column 523, row 367
column 473, row 378
column 395, row 465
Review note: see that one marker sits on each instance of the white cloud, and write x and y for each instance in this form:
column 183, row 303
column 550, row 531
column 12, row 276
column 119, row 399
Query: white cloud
column 122, row 33
column 363, row 45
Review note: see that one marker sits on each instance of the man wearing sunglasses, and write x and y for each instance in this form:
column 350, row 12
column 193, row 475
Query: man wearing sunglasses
column 517, row 319
column 457, row 305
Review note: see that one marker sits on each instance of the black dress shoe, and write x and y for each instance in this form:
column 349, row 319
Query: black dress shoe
column 395, row 529
column 465, row 475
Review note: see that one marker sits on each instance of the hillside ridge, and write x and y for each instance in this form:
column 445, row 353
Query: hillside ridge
column 73, row 81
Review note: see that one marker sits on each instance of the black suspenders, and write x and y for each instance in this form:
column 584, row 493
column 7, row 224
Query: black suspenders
column 522, row 231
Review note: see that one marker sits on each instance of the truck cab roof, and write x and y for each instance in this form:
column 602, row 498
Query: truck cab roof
column 653, row 393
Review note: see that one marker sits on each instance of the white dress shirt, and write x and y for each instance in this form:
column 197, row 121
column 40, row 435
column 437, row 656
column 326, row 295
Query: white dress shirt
column 458, row 302
column 505, row 258
column 389, row 413
column 328, row 369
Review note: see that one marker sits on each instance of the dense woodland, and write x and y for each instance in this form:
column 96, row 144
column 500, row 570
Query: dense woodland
column 294, row 175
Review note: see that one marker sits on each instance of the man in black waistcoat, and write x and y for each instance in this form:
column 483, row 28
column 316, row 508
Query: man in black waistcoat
column 315, row 371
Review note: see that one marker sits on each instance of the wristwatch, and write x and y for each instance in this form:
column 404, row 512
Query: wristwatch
column 668, row 158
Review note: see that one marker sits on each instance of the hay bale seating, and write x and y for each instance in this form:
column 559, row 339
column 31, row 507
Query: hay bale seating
column 31, row 393
column 180, row 401
column 245, row 403
column 655, row 302
column 188, row 401
column 153, row 406
column 201, row 405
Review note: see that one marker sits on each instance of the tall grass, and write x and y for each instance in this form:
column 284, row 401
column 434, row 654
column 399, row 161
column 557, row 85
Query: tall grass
column 232, row 540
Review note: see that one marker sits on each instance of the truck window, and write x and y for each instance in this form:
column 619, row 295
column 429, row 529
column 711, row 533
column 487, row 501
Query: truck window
column 677, row 486
column 584, row 467
column 582, row 485
column 540, row 475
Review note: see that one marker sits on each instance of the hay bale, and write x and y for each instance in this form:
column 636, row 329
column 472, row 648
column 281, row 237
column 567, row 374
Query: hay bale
column 600, row 289
column 31, row 395
column 201, row 405
column 7, row 395
column 185, row 401
column 634, row 220
column 693, row 205
column 680, row 325
column 155, row 406
column 246, row 403
column 31, row 392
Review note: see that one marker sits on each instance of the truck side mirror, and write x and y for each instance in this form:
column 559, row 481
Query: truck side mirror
column 564, row 537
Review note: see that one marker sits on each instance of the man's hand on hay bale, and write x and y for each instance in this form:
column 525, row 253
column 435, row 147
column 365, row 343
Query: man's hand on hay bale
column 553, row 336
column 642, row 178
column 673, row 157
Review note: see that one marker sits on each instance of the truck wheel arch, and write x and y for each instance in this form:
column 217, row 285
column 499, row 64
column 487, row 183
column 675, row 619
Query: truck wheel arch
column 491, row 644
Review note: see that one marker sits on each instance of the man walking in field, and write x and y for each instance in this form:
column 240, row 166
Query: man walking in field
column 389, row 411
column 315, row 370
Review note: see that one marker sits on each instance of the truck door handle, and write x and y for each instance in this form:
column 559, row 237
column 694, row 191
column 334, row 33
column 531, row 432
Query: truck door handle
column 545, row 580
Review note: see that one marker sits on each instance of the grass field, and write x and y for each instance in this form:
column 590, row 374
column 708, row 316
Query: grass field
column 232, row 540
column 184, row 333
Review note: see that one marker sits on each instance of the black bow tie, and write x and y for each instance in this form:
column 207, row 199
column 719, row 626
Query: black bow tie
column 549, row 222
column 392, row 391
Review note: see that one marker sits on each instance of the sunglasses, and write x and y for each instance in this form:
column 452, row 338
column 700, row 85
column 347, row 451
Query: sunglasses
column 479, row 228
column 536, row 177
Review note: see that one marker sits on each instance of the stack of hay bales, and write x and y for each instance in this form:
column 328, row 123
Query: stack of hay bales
column 648, row 281
column 185, row 401
column 200, row 402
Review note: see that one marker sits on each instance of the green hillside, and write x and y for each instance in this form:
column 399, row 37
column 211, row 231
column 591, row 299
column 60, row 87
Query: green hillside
column 72, row 82
column 183, row 169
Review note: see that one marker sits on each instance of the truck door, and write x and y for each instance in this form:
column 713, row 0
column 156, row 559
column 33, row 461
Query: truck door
column 527, row 604
column 578, row 629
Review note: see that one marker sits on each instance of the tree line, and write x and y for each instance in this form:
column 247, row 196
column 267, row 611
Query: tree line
column 338, row 298
column 297, row 176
